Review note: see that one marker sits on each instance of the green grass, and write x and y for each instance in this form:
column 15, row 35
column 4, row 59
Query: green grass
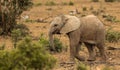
column 50, row 3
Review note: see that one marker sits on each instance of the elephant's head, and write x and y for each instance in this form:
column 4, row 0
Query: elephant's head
column 62, row 24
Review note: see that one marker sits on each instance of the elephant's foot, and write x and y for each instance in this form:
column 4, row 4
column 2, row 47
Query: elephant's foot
column 104, row 58
column 91, row 59
column 81, row 58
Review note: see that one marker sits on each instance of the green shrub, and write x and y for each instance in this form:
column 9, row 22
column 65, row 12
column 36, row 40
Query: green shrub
column 110, row 18
column 16, row 35
column 95, row 0
column 23, row 29
column 50, row 3
column 9, row 13
column 82, row 66
column 27, row 56
column 19, row 31
column 71, row 3
column 2, row 47
column 110, row 0
column 84, row 8
column 59, row 47
column 112, row 36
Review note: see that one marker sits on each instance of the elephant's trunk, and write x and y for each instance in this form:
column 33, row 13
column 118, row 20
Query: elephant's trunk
column 51, row 40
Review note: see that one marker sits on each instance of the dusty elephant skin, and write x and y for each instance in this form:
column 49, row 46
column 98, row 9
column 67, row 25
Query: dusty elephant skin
column 88, row 30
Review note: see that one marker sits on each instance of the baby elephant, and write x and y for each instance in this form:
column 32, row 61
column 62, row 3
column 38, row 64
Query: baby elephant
column 88, row 30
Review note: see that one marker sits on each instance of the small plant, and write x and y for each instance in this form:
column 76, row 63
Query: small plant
column 29, row 20
column 71, row 3
column 18, row 33
column 83, row 15
column 23, row 29
column 82, row 66
column 84, row 8
column 110, row 0
column 50, row 3
column 112, row 36
column 64, row 3
column 59, row 47
column 38, row 4
column 110, row 18
column 95, row 0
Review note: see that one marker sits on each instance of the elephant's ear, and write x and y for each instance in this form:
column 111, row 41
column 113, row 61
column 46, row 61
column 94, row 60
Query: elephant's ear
column 71, row 24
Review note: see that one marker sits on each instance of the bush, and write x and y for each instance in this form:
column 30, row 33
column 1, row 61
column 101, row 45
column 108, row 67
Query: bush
column 20, row 31
column 10, row 11
column 59, row 47
column 110, row 18
column 110, row 0
column 71, row 3
column 23, row 29
column 95, row 0
column 50, row 3
column 112, row 36
column 64, row 3
column 84, row 8
column 27, row 56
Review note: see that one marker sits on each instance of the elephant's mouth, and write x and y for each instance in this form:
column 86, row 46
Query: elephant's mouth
column 56, row 32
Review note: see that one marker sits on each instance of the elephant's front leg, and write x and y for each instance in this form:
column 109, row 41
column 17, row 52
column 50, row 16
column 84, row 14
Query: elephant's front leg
column 81, row 58
column 74, row 49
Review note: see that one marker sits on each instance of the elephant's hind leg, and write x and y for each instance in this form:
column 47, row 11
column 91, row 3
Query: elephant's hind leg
column 102, row 51
column 91, row 52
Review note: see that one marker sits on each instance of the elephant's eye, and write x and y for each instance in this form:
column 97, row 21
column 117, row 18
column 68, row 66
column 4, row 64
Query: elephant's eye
column 55, row 25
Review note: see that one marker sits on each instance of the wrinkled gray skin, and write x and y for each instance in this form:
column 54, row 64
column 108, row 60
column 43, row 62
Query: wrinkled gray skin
column 91, row 32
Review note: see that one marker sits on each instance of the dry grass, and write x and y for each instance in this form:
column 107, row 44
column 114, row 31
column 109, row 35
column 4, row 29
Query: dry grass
column 43, row 11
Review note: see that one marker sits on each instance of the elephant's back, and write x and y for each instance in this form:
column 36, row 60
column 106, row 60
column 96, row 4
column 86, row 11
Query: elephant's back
column 91, row 22
column 91, row 28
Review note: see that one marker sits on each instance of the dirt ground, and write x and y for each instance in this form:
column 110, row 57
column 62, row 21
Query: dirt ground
column 40, row 12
